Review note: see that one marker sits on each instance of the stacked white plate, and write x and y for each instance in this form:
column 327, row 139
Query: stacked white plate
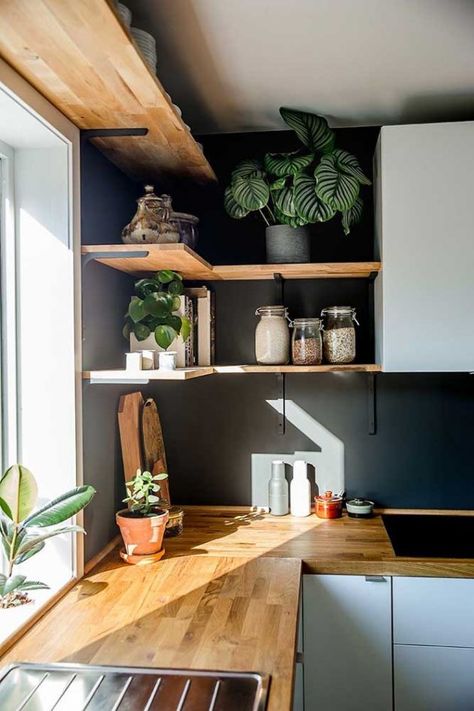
column 147, row 45
column 125, row 14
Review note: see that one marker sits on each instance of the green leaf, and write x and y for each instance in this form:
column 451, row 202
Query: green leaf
column 164, row 336
column 283, row 164
column 34, row 541
column 143, row 287
column 335, row 188
column 284, row 201
column 352, row 216
column 126, row 330
column 307, row 203
column 282, row 219
column 160, row 477
column 13, row 583
column 232, row 207
column 33, row 585
column 312, row 130
column 251, row 193
column 62, row 508
column 158, row 305
column 18, row 489
column 136, row 309
column 278, row 184
column 6, row 509
column 247, row 168
column 3, row 580
column 176, row 288
column 164, row 276
column 141, row 331
column 172, row 320
column 185, row 328
column 347, row 163
column 21, row 558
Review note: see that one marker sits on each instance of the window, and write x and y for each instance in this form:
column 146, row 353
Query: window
column 38, row 355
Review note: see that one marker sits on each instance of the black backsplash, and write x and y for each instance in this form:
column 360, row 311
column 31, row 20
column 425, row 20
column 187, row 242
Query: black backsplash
column 421, row 453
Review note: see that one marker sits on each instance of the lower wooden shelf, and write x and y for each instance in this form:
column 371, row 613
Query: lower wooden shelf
column 143, row 376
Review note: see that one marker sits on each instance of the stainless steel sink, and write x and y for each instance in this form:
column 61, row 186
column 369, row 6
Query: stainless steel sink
column 431, row 536
column 76, row 687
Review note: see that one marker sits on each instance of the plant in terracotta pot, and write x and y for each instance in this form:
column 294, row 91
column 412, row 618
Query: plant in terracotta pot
column 292, row 190
column 143, row 523
column 23, row 531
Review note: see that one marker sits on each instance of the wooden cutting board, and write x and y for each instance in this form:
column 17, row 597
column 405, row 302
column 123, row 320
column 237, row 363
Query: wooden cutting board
column 154, row 456
column 129, row 419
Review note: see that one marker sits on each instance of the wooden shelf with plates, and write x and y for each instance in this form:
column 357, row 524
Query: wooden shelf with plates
column 82, row 58
column 184, row 260
column 143, row 376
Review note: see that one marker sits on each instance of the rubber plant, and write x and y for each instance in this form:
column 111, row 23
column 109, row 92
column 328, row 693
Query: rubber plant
column 309, row 185
column 24, row 532
column 154, row 309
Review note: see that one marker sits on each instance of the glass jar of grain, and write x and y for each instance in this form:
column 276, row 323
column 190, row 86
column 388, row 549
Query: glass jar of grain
column 339, row 338
column 306, row 342
column 272, row 336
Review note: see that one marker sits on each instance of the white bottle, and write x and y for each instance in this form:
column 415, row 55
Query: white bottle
column 300, row 490
column 278, row 490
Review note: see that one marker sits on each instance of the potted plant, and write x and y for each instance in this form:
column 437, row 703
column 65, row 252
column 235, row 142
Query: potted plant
column 143, row 523
column 292, row 190
column 153, row 316
column 23, row 532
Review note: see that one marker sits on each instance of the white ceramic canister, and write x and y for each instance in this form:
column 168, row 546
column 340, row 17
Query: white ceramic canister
column 278, row 490
column 300, row 490
column 272, row 336
column 133, row 361
column 148, row 359
column 167, row 360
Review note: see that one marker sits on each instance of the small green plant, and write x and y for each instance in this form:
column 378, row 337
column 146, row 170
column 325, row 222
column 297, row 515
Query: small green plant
column 23, row 533
column 142, row 492
column 307, row 186
column 154, row 308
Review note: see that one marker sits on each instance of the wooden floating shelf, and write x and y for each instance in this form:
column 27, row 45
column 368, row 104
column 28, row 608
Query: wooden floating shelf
column 117, row 376
column 82, row 58
column 184, row 260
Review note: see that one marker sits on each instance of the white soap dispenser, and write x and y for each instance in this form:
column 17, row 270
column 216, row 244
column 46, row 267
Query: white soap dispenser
column 300, row 490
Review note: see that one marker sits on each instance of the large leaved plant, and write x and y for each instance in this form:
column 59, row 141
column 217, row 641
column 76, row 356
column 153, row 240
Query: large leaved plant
column 309, row 185
column 154, row 309
column 24, row 532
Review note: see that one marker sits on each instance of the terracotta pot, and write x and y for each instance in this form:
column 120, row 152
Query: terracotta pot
column 142, row 535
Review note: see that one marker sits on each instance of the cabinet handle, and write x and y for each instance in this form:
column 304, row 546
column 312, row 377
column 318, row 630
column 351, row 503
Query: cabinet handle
column 375, row 579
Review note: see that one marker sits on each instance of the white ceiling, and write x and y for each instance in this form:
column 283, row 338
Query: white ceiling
column 230, row 64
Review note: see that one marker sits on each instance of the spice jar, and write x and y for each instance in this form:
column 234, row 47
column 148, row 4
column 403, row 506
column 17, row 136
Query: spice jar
column 272, row 336
column 339, row 338
column 328, row 505
column 306, row 342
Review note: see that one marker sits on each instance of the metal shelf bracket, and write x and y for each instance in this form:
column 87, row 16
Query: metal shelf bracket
column 281, row 395
column 280, row 290
column 371, row 404
column 89, row 133
column 94, row 256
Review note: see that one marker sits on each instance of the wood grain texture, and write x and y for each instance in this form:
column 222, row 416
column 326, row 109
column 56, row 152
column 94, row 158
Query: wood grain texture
column 326, row 368
column 81, row 57
column 345, row 546
column 184, row 260
column 129, row 419
column 201, row 613
column 154, row 454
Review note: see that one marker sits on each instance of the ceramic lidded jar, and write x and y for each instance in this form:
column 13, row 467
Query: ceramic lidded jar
column 151, row 223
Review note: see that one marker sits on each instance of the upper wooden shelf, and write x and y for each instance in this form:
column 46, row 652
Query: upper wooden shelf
column 81, row 57
column 182, row 259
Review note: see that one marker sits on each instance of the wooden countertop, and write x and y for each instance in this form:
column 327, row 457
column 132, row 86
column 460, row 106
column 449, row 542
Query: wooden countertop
column 345, row 546
column 218, row 613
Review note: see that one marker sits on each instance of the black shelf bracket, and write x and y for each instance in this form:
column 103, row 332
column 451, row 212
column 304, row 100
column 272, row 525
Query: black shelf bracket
column 89, row 133
column 281, row 395
column 94, row 256
column 280, row 288
column 371, row 404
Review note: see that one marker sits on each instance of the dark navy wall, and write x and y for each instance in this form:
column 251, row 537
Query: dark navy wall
column 421, row 453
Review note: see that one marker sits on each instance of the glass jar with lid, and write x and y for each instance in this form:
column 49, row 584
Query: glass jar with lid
column 339, row 337
column 306, row 342
column 272, row 336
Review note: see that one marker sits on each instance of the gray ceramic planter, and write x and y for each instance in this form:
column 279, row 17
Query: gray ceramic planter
column 287, row 244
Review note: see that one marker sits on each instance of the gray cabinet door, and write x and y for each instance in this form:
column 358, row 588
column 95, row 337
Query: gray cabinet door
column 424, row 186
column 347, row 643
column 433, row 678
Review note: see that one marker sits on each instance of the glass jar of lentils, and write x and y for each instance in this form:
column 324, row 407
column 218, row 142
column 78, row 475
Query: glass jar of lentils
column 339, row 337
column 306, row 342
column 272, row 336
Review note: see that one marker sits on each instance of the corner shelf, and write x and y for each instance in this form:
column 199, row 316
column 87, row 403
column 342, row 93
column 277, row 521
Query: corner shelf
column 83, row 59
column 144, row 376
column 181, row 258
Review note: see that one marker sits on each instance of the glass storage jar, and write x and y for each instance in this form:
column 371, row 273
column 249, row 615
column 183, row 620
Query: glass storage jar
column 339, row 338
column 272, row 336
column 306, row 342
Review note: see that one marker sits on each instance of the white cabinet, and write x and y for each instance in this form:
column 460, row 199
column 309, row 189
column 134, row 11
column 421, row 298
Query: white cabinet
column 424, row 187
column 433, row 678
column 347, row 642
